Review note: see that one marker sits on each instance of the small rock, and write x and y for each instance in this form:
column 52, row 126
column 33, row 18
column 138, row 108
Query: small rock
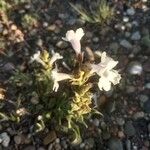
column 96, row 122
column 114, row 46
column 51, row 136
column 8, row 67
column 82, row 145
column 4, row 139
column 115, row 144
column 52, row 27
column 127, row 34
column 13, row 27
column 128, row 144
column 17, row 139
column 125, row 19
column 126, row 44
column 90, row 142
column 129, row 129
column 106, row 135
column 41, row 148
column 121, row 134
column 62, row 44
column 138, row 115
column 96, row 39
column 146, row 66
column 135, row 68
column 39, row 42
column 130, row 89
column 131, row 11
column 146, row 41
column 30, row 147
column 146, row 106
column 64, row 144
column 120, row 121
column 143, row 98
column 136, row 36
column 148, row 127
column 147, row 86
column 58, row 146
column 45, row 24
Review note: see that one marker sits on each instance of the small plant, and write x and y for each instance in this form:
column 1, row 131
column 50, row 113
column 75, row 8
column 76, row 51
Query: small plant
column 64, row 98
column 101, row 14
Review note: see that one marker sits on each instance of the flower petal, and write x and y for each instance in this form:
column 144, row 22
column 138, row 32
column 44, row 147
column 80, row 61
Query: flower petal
column 55, row 57
column 70, row 35
column 104, row 83
column 79, row 33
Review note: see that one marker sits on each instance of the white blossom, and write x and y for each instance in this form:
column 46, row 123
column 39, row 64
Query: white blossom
column 74, row 38
column 58, row 77
column 106, row 72
column 36, row 57
column 55, row 57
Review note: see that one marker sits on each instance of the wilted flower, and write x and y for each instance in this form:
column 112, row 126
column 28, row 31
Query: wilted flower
column 55, row 57
column 58, row 77
column 74, row 38
column 106, row 72
column 36, row 57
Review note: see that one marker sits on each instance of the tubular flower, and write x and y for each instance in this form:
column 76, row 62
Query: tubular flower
column 36, row 57
column 106, row 72
column 55, row 57
column 74, row 38
column 58, row 77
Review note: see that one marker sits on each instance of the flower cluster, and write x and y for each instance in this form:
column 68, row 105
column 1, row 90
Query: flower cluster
column 104, row 69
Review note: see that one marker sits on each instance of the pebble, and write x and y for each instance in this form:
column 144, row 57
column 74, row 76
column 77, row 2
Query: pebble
column 147, row 86
column 45, row 24
column 106, row 135
column 148, row 127
column 30, row 147
column 121, row 134
column 82, row 145
column 125, row 19
column 131, row 11
column 90, row 142
column 8, row 67
column 51, row 136
column 136, row 36
column 129, row 129
column 146, row 106
column 17, row 139
column 138, row 115
column 135, row 68
column 4, row 139
column 130, row 89
column 126, row 44
column 13, row 27
column 39, row 42
column 128, row 144
column 96, row 39
column 120, row 121
column 96, row 122
column 114, row 46
column 115, row 144
column 41, row 148
column 146, row 41
column 143, row 98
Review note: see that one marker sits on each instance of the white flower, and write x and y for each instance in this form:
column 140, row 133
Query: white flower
column 106, row 72
column 74, row 38
column 55, row 57
column 36, row 57
column 58, row 77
